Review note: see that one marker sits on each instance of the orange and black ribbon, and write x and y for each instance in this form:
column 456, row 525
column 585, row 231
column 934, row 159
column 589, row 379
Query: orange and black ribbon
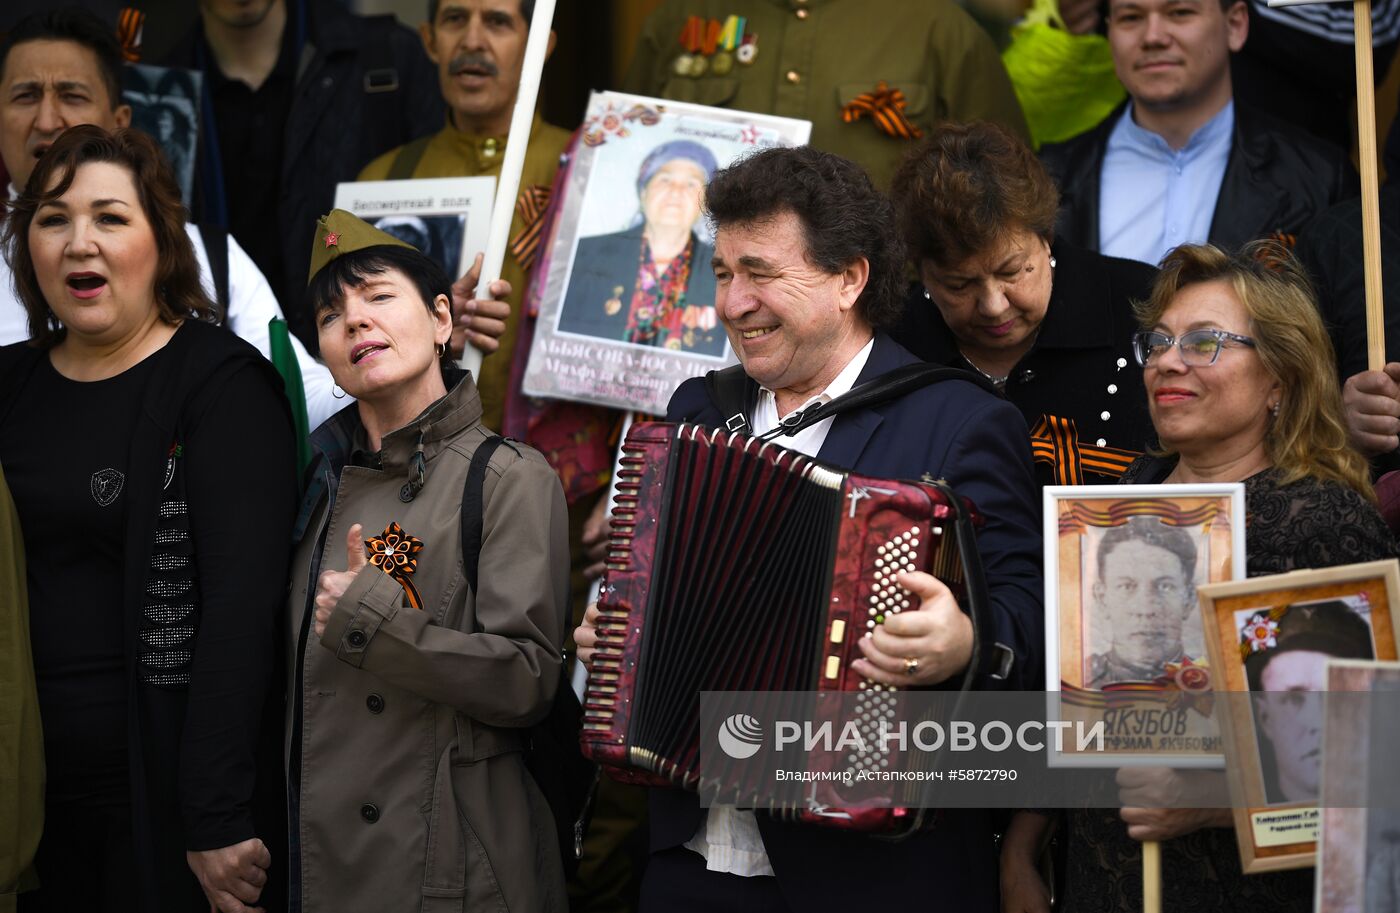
column 129, row 25
column 885, row 106
column 525, row 246
column 395, row 553
column 1081, row 514
column 1054, row 440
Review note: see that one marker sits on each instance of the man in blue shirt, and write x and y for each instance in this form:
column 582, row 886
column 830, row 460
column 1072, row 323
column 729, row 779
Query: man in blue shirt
column 1181, row 162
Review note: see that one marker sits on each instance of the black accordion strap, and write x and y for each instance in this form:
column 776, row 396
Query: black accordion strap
column 735, row 394
column 889, row 386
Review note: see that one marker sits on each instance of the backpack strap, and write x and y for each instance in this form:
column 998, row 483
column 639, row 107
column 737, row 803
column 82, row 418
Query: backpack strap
column 473, row 509
column 216, row 249
column 407, row 158
column 735, row 394
column 889, row 386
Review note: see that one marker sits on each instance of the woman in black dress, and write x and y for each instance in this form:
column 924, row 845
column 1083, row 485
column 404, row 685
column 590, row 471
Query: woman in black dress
column 1049, row 324
column 1230, row 348
column 150, row 455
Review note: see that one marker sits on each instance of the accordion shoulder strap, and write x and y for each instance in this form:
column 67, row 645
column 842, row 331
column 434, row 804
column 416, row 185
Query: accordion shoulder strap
column 889, row 386
column 735, row 394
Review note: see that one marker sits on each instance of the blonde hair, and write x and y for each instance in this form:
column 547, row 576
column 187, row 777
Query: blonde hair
column 1308, row 436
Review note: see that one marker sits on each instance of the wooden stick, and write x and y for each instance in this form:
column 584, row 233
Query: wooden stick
column 1370, row 187
column 1152, row 872
column 508, row 185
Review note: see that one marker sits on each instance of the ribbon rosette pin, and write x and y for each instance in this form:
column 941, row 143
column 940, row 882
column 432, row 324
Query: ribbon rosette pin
column 1188, row 684
column 395, row 553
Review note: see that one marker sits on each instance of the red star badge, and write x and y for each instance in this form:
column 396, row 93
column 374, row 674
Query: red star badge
column 332, row 239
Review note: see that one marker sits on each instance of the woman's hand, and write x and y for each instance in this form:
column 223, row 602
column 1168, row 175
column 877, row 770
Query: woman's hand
column 232, row 877
column 1145, row 791
column 333, row 584
column 922, row 646
column 586, row 636
column 479, row 321
column 594, row 540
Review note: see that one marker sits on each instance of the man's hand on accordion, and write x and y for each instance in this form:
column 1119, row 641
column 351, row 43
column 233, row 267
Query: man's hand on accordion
column 923, row 646
column 586, row 636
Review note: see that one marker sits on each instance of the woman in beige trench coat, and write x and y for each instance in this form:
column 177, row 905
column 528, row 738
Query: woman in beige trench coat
column 409, row 692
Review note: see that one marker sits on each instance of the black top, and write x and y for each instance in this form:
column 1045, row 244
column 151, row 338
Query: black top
column 209, row 461
column 1306, row 524
column 1078, row 388
column 250, row 127
column 71, row 507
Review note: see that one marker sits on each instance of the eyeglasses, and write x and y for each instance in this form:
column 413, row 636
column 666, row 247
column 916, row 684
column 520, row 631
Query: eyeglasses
column 1199, row 348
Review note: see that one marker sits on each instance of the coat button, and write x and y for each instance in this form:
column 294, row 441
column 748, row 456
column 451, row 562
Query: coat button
column 355, row 638
column 1112, row 389
column 793, row 77
column 369, row 812
column 375, row 703
column 1027, row 375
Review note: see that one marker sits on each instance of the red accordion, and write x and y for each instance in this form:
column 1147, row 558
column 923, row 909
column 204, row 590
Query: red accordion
column 739, row 565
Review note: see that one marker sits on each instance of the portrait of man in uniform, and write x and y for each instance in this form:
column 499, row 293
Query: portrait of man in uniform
column 652, row 284
column 1286, row 667
column 1144, row 590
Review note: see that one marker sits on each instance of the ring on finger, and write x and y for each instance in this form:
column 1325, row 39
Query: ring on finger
column 911, row 665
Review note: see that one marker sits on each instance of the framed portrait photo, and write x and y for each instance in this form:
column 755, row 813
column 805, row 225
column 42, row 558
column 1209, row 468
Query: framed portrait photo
column 1358, row 855
column 447, row 219
column 1269, row 640
column 165, row 105
column 1125, row 645
column 627, row 306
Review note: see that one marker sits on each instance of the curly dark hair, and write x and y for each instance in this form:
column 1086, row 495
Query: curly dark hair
column 843, row 216
column 178, row 291
column 966, row 186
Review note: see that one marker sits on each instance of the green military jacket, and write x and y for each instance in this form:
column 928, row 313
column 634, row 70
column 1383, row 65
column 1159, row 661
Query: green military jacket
column 21, row 741
column 814, row 57
column 452, row 153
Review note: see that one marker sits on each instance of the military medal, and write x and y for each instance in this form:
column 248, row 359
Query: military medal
column 692, row 39
column 730, row 36
column 748, row 51
column 613, row 304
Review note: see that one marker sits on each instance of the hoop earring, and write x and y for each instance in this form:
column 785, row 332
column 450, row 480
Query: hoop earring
column 337, row 392
column 442, row 349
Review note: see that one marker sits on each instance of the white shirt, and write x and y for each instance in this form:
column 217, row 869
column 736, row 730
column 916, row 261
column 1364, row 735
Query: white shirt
column 251, row 307
column 728, row 838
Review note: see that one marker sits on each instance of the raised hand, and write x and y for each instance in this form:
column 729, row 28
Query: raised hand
column 333, row 584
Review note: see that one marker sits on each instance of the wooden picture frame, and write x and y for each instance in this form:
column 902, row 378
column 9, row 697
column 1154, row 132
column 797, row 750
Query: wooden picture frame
column 1127, row 650
column 1271, row 719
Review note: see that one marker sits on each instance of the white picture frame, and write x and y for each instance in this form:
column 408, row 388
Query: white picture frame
column 448, row 219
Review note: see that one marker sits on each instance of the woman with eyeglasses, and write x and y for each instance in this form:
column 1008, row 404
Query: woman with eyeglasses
column 1240, row 385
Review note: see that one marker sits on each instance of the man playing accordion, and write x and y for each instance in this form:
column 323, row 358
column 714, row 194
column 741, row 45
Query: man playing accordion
column 808, row 270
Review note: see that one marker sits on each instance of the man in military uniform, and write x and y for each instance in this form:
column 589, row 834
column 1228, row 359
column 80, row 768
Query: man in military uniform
column 1145, row 588
column 478, row 47
column 869, row 74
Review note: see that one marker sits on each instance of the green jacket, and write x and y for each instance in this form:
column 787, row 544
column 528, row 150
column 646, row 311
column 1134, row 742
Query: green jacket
column 21, row 740
column 815, row 56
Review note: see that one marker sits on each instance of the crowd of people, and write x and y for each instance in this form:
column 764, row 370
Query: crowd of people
column 245, row 668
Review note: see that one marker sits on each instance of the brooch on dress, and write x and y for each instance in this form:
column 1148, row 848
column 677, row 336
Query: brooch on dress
column 395, row 553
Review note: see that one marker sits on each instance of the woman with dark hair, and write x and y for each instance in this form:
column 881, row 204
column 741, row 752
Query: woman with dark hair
column 1230, row 348
column 154, row 544
column 412, row 681
column 1047, row 323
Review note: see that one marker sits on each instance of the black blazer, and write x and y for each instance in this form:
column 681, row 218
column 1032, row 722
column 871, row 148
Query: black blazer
column 1081, row 369
column 605, row 268
column 1277, row 178
column 952, row 430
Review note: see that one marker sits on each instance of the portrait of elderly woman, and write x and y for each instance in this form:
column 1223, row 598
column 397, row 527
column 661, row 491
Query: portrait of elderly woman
column 652, row 284
column 1287, row 672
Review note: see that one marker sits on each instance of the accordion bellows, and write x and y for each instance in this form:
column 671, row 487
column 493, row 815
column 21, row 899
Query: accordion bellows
column 739, row 565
